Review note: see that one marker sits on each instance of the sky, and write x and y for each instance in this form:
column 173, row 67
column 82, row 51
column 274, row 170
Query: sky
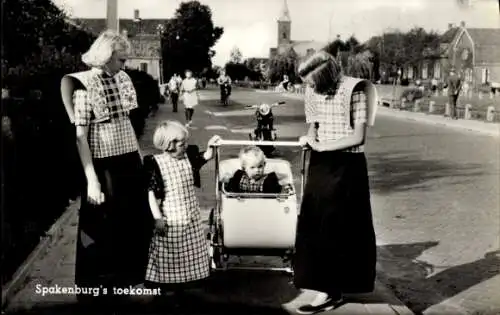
column 251, row 25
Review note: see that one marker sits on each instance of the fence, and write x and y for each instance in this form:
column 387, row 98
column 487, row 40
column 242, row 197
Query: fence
column 465, row 111
column 426, row 104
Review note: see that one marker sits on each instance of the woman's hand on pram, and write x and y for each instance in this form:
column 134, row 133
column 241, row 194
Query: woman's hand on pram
column 306, row 140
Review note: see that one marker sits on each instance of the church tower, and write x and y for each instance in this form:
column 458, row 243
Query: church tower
column 284, row 26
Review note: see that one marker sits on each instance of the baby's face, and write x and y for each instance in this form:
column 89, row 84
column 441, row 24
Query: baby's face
column 254, row 167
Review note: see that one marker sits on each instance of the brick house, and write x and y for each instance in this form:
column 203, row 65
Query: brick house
column 474, row 52
column 144, row 35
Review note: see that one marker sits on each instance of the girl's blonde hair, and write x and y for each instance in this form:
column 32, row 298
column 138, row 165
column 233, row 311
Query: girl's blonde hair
column 251, row 151
column 167, row 133
column 102, row 49
column 323, row 70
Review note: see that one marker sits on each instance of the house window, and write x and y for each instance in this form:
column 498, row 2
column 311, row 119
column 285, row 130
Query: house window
column 437, row 70
column 144, row 66
column 410, row 72
column 468, row 75
column 485, row 75
column 425, row 69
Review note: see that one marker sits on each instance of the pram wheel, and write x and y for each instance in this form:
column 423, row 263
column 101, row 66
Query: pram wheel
column 215, row 243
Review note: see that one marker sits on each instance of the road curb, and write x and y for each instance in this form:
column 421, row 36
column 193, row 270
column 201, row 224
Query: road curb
column 422, row 118
column 50, row 237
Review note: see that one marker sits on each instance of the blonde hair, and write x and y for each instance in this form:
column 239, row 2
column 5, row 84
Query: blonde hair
column 323, row 70
column 167, row 133
column 102, row 49
column 251, row 151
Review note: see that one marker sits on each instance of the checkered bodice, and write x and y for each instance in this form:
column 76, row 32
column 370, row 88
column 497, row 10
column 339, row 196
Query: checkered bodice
column 180, row 203
column 249, row 185
column 337, row 114
column 110, row 96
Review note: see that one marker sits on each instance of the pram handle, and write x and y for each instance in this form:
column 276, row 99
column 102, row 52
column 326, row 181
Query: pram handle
column 258, row 143
column 271, row 105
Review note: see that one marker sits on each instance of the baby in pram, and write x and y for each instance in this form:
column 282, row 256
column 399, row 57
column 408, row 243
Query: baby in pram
column 251, row 178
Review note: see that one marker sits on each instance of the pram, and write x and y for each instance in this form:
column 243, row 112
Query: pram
column 254, row 224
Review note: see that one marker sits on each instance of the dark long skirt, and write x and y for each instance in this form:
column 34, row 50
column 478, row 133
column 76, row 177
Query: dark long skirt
column 335, row 244
column 113, row 238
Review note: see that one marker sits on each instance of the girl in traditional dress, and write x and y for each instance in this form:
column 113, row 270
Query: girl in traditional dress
column 190, row 96
column 112, row 242
column 178, row 252
column 335, row 245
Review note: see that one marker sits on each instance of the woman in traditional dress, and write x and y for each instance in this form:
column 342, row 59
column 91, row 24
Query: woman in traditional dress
column 114, row 221
column 335, row 244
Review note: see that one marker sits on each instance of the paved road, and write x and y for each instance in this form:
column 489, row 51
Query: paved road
column 435, row 202
column 227, row 293
column 436, row 206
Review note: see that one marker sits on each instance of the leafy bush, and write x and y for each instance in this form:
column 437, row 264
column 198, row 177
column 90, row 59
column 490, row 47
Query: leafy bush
column 148, row 98
column 40, row 165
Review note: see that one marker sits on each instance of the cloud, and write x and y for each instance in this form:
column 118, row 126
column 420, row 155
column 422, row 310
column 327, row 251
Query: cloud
column 253, row 40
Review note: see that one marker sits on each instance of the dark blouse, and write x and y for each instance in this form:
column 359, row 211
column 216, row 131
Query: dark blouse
column 153, row 173
column 271, row 184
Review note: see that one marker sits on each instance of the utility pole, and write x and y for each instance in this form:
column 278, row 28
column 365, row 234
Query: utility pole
column 112, row 15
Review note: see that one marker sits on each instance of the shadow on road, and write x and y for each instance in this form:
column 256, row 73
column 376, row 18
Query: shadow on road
column 407, row 170
column 417, row 283
column 195, row 308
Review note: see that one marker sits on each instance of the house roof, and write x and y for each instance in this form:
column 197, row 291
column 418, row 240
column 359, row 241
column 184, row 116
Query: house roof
column 485, row 36
column 148, row 26
column 449, row 35
column 486, row 44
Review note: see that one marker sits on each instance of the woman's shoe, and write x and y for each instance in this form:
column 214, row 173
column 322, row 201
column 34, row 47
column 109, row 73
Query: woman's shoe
column 328, row 305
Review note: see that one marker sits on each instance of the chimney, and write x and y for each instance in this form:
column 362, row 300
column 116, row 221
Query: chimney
column 136, row 15
column 112, row 15
column 462, row 23
column 450, row 26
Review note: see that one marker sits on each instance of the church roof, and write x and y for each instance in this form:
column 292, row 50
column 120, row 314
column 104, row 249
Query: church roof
column 304, row 47
column 285, row 13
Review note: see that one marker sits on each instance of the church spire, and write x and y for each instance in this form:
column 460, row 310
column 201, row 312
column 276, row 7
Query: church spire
column 285, row 14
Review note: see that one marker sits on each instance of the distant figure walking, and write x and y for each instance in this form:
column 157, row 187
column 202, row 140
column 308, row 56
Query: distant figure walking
column 454, row 84
column 173, row 88
column 189, row 91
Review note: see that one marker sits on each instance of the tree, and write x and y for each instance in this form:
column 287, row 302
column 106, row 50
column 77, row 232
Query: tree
column 334, row 47
column 188, row 38
column 352, row 44
column 282, row 64
column 236, row 55
column 360, row 65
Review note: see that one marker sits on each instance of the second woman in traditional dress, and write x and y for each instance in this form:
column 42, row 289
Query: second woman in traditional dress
column 335, row 245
